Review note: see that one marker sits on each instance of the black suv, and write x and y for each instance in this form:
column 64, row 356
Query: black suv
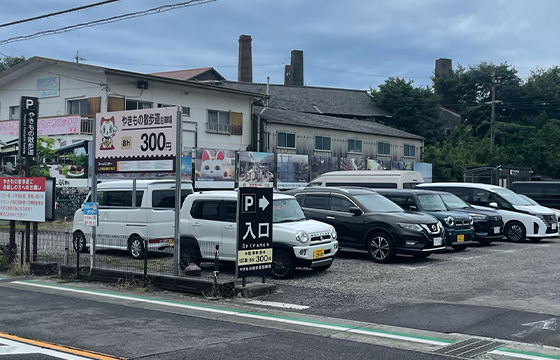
column 366, row 220
column 488, row 224
column 458, row 226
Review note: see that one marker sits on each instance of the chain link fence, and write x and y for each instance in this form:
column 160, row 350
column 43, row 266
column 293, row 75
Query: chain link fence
column 62, row 252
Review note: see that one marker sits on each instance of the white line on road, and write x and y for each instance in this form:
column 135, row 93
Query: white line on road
column 277, row 304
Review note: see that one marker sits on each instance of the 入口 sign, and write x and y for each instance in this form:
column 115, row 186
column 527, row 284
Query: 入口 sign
column 254, row 232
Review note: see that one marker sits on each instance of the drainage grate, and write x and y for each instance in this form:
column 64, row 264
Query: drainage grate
column 469, row 348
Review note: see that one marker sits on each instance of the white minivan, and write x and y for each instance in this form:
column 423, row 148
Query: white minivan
column 521, row 218
column 387, row 179
column 123, row 225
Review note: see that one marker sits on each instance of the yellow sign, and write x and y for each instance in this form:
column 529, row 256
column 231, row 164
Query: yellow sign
column 252, row 257
column 460, row 238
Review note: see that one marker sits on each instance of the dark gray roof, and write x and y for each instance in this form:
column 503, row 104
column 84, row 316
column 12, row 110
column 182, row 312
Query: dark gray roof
column 329, row 122
column 315, row 100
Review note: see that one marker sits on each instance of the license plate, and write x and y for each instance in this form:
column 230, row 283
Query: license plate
column 319, row 253
column 496, row 229
column 170, row 241
column 460, row 238
column 553, row 226
column 437, row 241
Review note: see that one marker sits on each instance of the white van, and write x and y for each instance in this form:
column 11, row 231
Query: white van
column 521, row 218
column 124, row 226
column 388, row 179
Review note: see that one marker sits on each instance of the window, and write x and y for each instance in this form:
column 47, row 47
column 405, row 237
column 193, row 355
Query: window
column 137, row 105
column 14, row 112
column 322, row 143
column 340, row 204
column 231, row 211
column 185, row 110
column 383, row 148
column 166, row 198
column 206, row 210
column 409, row 150
column 218, row 122
column 80, row 106
column 316, row 201
column 118, row 198
column 355, row 146
column 286, row 140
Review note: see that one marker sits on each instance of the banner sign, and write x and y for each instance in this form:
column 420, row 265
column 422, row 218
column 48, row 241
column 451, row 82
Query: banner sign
column 64, row 125
column 28, row 126
column 254, row 232
column 22, row 199
column 136, row 141
column 215, row 169
column 256, row 169
column 293, row 171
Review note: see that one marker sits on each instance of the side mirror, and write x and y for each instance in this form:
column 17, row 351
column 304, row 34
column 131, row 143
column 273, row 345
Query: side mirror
column 493, row 204
column 412, row 208
column 356, row 211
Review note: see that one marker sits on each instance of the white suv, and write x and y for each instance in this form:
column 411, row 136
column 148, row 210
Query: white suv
column 209, row 218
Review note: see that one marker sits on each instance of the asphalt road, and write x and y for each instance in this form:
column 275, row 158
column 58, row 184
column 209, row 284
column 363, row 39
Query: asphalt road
column 506, row 292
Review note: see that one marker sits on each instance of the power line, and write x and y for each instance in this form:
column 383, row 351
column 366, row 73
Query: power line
column 58, row 13
column 157, row 10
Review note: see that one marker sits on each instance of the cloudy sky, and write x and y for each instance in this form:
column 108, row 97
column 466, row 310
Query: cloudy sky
column 353, row 44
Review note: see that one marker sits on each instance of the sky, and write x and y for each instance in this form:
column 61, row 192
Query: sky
column 351, row 44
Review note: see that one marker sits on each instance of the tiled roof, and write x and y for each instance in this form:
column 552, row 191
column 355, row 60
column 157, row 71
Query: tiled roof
column 188, row 74
column 315, row 100
column 281, row 116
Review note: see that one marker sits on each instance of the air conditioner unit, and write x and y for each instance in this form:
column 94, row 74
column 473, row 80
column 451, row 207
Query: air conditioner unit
column 142, row 84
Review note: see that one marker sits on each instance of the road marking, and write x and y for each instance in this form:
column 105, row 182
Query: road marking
column 427, row 340
column 277, row 304
column 15, row 345
column 549, row 324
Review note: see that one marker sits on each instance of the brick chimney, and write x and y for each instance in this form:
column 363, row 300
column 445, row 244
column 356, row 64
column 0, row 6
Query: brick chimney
column 443, row 66
column 293, row 73
column 245, row 64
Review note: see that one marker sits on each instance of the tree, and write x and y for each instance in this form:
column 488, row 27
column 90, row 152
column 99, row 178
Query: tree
column 414, row 109
column 10, row 61
column 45, row 150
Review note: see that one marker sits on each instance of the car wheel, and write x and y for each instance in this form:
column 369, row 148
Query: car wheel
column 136, row 247
column 380, row 248
column 190, row 254
column 421, row 255
column 322, row 268
column 283, row 264
column 459, row 247
column 515, row 231
column 79, row 242
column 535, row 239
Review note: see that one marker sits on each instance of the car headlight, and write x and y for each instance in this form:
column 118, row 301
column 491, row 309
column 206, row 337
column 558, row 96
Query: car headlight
column 478, row 216
column 410, row 226
column 333, row 233
column 540, row 216
column 449, row 220
column 302, row 237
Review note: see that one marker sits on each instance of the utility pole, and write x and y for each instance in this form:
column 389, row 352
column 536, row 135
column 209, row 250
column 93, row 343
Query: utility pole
column 495, row 82
column 78, row 57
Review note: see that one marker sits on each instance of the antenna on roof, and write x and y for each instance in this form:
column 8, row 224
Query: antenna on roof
column 78, row 57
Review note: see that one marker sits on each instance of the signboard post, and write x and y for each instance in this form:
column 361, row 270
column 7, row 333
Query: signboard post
column 254, row 232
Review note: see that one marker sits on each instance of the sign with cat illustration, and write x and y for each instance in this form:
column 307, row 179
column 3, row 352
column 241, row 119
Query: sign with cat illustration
column 136, row 141
column 215, row 169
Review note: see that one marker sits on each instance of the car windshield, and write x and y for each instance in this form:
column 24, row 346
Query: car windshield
column 453, row 201
column 529, row 199
column 432, row 202
column 286, row 210
column 377, row 203
column 511, row 197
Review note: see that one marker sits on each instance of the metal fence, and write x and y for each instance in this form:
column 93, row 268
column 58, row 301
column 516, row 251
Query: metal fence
column 117, row 254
